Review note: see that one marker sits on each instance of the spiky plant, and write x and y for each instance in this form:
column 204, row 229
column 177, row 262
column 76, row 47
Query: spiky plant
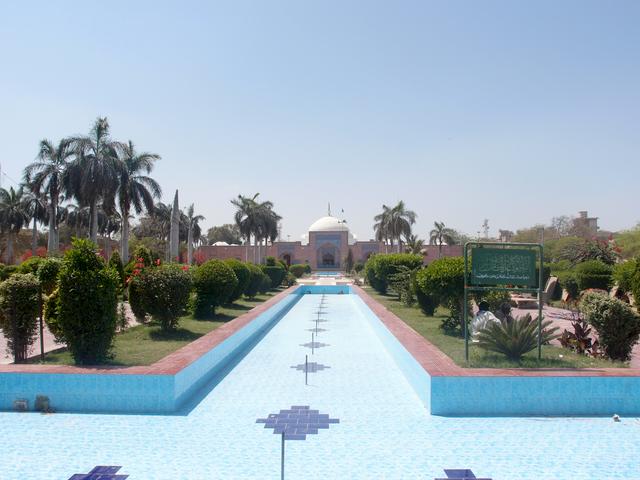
column 515, row 337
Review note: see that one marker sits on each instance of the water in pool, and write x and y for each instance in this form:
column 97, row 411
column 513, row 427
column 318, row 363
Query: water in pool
column 384, row 430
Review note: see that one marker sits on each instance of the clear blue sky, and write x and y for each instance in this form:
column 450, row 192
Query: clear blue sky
column 512, row 111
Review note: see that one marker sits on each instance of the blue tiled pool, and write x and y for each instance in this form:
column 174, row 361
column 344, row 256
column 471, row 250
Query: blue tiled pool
column 384, row 429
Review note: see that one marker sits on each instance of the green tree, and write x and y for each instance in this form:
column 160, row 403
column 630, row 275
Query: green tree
column 47, row 174
column 19, row 307
column 14, row 214
column 393, row 224
column 192, row 221
column 135, row 188
column 414, row 245
column 441, row 235
column 36, row 203
column 228, row 233
column 94, row 173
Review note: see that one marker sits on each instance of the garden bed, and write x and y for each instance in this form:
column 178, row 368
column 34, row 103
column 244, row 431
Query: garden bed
column 453, row 346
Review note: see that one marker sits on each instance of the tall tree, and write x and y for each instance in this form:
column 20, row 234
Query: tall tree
column 47, row 174
column 228, row 233
column 36, row 203
column 441, row 235
column 246, row 219
column 414, row 244
column 95, row 171
column 193, row 221
column 14, row 214
column 135, row 188
column 394, row 223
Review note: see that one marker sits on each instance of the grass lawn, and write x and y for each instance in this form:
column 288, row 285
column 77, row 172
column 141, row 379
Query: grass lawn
column 429, row 328
column 146, row 344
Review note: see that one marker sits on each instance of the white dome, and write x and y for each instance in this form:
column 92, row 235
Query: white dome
column 328, row 224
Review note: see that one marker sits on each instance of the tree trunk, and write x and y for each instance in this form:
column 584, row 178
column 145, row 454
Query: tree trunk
column 10, row 248
column 190, row 245
column 107, row 247
column 34, row 237
column 51, row 240
column 124, row 240
column 93, row 221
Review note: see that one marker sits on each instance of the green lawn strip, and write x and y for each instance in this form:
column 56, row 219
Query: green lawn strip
column 146, row 344
column 429, row 328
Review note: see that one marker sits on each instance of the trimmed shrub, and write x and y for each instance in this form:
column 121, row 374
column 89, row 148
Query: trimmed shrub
column 276, row 273
column 567, row 281
column 358, row 267
column 307, row 268
column 290, row 279
column 443, row 280
column 87, row 303
column 255, row 280
column 623, row 275
column 164, row 293
column 265, row 284
column 593, row 274
column 242, row 274
column 51, row 317
column 426, row 302
column 270, row 261
column 380, row 267
column 115, row 262
column 30, row 265
column 403, row 284
column 298, row 269
column 214, row 283
column 19, row 306
column 48, row 272
column 618, row 326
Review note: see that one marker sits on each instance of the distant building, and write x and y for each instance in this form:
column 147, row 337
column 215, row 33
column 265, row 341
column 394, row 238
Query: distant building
column 584, row 225
column 324, row 247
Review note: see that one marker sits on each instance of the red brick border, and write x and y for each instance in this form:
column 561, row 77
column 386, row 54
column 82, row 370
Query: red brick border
column 169, row 365
column 438, row 364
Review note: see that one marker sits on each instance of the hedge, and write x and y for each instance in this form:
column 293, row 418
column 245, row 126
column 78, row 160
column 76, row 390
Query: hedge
column 593, row 274
column 19, row 308
column 242, row 274
column 276, row 274
column 214, row 283
column 298, row 269
column 380, row 266
column 255, row 280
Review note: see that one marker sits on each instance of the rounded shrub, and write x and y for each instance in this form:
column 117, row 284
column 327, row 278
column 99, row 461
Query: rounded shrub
column 567, row 281
column 164, row 293
column 297, row 269
column 593, row 274
column 30, row 265
column 443, row 280
column 214, row 283
column 624, row 273
column 51, row 317
column 380, row 267
column 426, row 302
column 19, row 307
column 307, row 268
column 48, row 272
column 290, row 279
column 255, row 280
column 87, row 303
column 618, row 326
column 242, row 274
column 276, row 273
column 265, row 284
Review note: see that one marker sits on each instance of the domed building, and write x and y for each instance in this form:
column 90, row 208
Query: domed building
column 324, row 247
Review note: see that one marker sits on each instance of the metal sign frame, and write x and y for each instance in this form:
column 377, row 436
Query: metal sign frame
column 468, row 287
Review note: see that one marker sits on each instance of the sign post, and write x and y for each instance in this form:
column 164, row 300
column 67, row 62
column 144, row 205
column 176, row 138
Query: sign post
column 504, row 267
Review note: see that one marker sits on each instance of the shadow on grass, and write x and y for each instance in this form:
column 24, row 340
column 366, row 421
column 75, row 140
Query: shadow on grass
column 179, row 335
column 236, row 306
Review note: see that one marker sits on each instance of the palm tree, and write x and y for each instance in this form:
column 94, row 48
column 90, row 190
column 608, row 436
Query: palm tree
column 414, row 245
column 192, row 223
column 77, row 218
column 246, row 219
column 108, row 224
column 95, row 171
column 266, row 226
column 47, row 174
column 37, row 205
column 14, row 214
column 394, row 223
column 441, row 235
column 135, row 189
column 382, row 228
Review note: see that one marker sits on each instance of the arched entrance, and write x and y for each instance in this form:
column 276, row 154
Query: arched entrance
column 328, row 256
column 328, row 259
column 286, row 258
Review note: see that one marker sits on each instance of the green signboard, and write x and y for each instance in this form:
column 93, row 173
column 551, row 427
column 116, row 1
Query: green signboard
column 503, row 266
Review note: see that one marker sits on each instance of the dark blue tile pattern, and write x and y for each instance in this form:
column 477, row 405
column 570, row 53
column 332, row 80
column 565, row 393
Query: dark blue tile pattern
column 297, row 422
column 460, row 474
column 312, row 367
column 101, row 472
column 315, row 344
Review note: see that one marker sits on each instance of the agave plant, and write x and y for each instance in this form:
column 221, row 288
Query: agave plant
column 515, row 337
